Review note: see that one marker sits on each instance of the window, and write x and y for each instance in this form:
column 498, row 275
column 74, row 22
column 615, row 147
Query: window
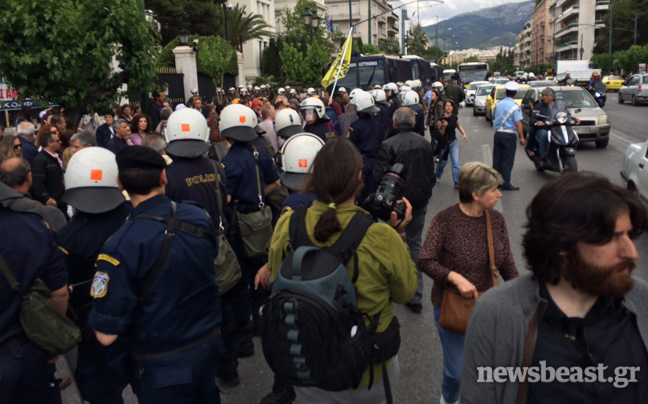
column 645, row 79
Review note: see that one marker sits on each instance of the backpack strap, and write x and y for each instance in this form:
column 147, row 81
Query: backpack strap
column 9, row 276
column 297, row 229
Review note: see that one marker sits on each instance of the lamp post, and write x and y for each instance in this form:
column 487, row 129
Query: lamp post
column 184, row 37
column 311, row 20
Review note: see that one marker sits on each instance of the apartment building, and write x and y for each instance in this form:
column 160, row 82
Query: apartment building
column 574, row 27
column 522, row 55
column 384, row 21
column 541, row 53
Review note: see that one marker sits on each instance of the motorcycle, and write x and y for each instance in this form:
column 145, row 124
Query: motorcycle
column 599, row 91
column 563, row 141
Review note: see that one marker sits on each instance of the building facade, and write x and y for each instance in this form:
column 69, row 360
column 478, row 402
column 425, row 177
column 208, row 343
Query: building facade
column 574, row 27
column 252, row 49
column 373, row 19
column 523, row 47
column 541, row 52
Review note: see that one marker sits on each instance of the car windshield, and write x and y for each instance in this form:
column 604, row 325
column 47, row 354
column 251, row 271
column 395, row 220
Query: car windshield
column 501, row 81
column 484, row 90
column 576, row 99
column 472, row 75
column 501, row 93
column 645, row 81
column 542, row 83
column 474, row 85
column 521, row 93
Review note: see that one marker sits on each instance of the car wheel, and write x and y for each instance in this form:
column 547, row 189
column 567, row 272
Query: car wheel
column 602, row 144
column 634, row 101
column 474, row 112
column 620, row 98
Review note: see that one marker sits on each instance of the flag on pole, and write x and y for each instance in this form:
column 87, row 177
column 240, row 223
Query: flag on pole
column 340, row 66
column 328, row 21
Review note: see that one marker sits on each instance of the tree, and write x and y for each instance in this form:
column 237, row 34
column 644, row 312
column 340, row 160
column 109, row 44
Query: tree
column 62, row 50
column 270, row 59
column 304, row 70
column 417, row 40
column 200, row 17
column 623, row 23
column 215, row 55
column 167, row 58
column 389, row 46
column 298, row 35
column 370, row 49
column 243, row 26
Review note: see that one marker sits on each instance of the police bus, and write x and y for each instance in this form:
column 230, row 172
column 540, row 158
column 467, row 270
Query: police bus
column 474, row 71
column 367, row 71
column 437, row 72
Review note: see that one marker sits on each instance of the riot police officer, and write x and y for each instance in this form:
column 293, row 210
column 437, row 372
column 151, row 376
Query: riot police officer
column 383, row 115
column 411, row 100
column 155, row 284
column 231, row 96
column 317, row 122
column 366, row 134
column 393, row 102
column 92, row 189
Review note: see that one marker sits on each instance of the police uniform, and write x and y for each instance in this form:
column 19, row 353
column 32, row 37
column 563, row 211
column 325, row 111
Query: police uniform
column 506, row 113
column 231, row 97
column 367, row 134
column 419, row 123
column 383, row 117
column 321, row 129
column 100, row 373
column 30, row 252
column 173, row 330
column 393, row 103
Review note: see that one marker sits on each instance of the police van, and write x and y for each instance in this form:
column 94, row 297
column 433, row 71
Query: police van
column 367, row 71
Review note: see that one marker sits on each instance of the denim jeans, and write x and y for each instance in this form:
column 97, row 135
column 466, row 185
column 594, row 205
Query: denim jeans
column 452, row 345
column 414, row 234
column 454, row 156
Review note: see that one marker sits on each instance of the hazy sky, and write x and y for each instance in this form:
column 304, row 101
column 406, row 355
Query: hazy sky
column 431, row 9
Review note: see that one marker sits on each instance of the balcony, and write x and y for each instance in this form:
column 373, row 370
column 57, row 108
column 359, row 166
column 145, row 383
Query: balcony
column 571, row 28
column 602, row 5
column 572, row 11
column 393, row 29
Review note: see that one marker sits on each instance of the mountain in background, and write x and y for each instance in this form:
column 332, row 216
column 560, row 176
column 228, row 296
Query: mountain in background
column 488, row 27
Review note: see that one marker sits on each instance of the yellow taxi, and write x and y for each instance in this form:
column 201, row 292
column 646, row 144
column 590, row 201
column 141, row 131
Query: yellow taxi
column 499, row 93
column 613, row 82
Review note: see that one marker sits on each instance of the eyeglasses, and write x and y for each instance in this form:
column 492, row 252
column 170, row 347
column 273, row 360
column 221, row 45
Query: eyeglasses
column 18, row 146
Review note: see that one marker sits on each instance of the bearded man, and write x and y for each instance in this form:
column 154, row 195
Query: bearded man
column 574, row 330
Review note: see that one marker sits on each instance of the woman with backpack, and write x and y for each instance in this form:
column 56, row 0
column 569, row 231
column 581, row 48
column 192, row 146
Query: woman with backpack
column 385, row 274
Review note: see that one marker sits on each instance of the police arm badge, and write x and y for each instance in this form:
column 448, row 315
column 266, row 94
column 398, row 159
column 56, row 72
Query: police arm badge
column 99, row 285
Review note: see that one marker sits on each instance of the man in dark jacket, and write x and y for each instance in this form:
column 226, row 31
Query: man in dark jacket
column 25, row 132
column 47, row 186
column 455, row 93
column 417, row 156
column 106, row 131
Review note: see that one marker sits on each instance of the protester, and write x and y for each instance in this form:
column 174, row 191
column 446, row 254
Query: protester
column 122, row 138
column 268, row 115
column 126, row 113
column 106, row 131
column 25, row 115
column 10, row 147
column 81, row 140
column 156, row 108
column 447, row 126
column 580, row 309
column 455, row 93
column 25, row 132
column 456, row 252
column 165, row 113
column 140, row 128
column 47, row 169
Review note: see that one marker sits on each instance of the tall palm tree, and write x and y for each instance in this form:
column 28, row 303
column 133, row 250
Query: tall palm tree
column 243, row 26
column 416, row 39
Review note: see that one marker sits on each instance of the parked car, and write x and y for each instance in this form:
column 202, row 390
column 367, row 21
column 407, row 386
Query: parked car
column 613, row 83
column 499, row 93
column 542, row 83
column 479, row 106
column 635, row 170
column 501, row 81
column 635, row 89
column 472, row 88
column 595, row 124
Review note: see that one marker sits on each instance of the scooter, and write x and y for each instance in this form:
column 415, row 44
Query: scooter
column 599, row 93
column 563, row 141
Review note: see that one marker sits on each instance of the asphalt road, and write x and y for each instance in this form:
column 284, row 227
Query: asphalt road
column 420, row 355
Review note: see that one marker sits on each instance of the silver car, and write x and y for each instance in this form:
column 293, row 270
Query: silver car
column 635, row 89
column 635, row 170
column 594, row 125
column 479, row 107
column 472, row 89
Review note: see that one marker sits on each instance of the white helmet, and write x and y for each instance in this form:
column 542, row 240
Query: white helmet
column 342, row 90
column 354, row 92
column 249, row 86
column 218, row 89
column 293, row 91
column 187, row 133
column 390, row 87
column 364, row 102
column 263, row 86
column 243, row 90
column 404, row 89
column 411, row 100
column 297, row 156
column 377, row 87
column 194, row 90
column 437, row 84
column 379, row 96
column 238, row 122
column 287, row 88
column 317, row 105
column 231, row 89
column 281, row 91
column 310, row 91
column 241, row 86
column 257, row 88
column 91, row 181
column 287, row 123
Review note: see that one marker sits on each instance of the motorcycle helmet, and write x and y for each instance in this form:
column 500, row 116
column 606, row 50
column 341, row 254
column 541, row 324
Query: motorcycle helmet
column 91, row 181
column 238, row 122
column 411, row 100
column 297, row 156
column 187, row 133
column 317, row 105
column 287, row 123
column 596, row 75
column 364, row 102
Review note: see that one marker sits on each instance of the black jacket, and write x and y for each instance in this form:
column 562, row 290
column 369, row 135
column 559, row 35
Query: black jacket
column 47, row 177
column 417, row 156
column 103, row 135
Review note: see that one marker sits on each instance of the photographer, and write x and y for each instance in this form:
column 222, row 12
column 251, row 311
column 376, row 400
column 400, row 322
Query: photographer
column 417, row 156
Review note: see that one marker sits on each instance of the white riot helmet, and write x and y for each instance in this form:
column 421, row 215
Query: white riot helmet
column 257, row 88
column 438, row 84
column 187, row 133
column 91, row 181
column 194, row 90
column 243, row 91
column 377, row 87
column 379, row 96
column 241, row 86
column 249, row 87
column 317, row 105
column 238, row 122
column 411, row 100
column 287, row 88
column 293, row 91
column 404, row 89
column 364, row 102
column 287, row 123
column 354, row 92
column 310, row 91
column 263, row 86
column 281, row 91
column 297, row 156
column 231, row 89
column 391, row 87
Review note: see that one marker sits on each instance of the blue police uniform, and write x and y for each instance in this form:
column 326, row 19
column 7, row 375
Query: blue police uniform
column 383, row 117
column 367, row 134
column 321, row 129
column 393, row 103
column 419, row 123
column 174, row 329
column 506, row 113
column 297, row 200
column 30, row 252
column 100, row 371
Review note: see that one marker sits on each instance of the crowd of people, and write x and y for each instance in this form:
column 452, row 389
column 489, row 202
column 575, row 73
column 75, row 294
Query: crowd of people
column 162, row 234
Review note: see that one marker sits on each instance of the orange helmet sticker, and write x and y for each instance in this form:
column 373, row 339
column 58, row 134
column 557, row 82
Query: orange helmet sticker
column 96, row 175
column 303, row 163
column 185, row 127
column 242, row 118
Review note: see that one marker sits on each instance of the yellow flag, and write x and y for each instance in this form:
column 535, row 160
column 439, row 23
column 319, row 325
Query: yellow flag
column 344, row 58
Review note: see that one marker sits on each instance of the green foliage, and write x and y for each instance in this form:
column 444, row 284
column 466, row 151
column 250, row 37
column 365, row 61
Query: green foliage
column 387, row 44
column 539, row 69
column 214, row 56
column 244, row 26
column 470, row 59
column 626, row 60
column 304, row 70
column 297, row 34
column 270, row 60
column 417, row 40
column 201, row 17
column 623, row 24
column 370, row 49
column 167, row 58
column 62, row 50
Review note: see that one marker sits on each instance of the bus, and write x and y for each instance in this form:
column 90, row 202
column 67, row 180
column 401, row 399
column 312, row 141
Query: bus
column 421, row 70
column 474, row 71
column 367, row 71
column 447, row 74
column 437, row 72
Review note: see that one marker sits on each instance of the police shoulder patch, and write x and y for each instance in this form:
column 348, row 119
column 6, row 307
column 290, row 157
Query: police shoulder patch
column 108, row 258
column 64, row 250
column 99, row 285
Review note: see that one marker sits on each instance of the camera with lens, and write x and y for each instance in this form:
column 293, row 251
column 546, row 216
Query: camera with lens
column 384, row 201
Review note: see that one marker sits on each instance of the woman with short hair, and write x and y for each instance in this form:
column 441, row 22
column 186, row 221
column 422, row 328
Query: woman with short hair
column 456, row 252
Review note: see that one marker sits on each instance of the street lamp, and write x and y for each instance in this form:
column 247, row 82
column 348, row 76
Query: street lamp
column 184, row 37
column 311, row 20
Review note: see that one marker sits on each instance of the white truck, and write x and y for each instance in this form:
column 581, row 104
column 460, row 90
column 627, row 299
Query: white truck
column 579, row 71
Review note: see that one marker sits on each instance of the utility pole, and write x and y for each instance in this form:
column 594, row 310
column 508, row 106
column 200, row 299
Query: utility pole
column 610, row 44
column 350, row 16
column 635, row 36
column 436, row 35
column 418, row 15
column 369, row 3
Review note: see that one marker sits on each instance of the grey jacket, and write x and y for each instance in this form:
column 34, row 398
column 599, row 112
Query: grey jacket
column 498, row 330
